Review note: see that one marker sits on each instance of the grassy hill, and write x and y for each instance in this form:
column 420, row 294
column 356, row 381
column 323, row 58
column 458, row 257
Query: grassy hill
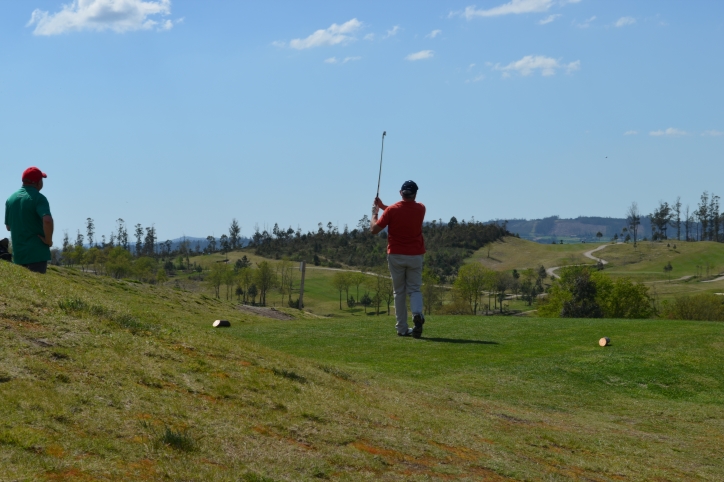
column 647, row 261
column 113, row 380
column 514, row 253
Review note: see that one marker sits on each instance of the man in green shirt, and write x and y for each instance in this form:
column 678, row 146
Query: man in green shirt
column 28, row 218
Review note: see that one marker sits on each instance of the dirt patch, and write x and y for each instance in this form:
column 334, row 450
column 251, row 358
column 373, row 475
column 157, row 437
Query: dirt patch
column 266, row 312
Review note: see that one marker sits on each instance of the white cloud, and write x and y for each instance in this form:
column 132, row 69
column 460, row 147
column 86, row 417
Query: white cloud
column 99, row 15
column 470, row 67
column 549, row 19
column 433, row 34
column 623, row 21
column 334, row 60
column 369, row 36
column 279, row 43
column 586, row 23
column 630, row 133
column 671, row 132
column 712, row 133
column 513, row 7
column 528, row 64
column 421, row 55
column 573, row 66
column 392, row 32
column 477, row 78
column 335, row 34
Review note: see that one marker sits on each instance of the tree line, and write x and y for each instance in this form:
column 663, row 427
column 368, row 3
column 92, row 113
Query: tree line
column 447, row 244
column 703, row 222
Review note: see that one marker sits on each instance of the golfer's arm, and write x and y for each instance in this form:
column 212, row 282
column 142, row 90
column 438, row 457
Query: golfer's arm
column 48, row 227
column 374, row 227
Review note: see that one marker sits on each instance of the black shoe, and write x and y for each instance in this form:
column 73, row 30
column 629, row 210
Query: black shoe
column 418, row 320
column 409, row 332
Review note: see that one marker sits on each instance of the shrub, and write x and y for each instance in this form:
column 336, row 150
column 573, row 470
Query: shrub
column 581, row 292
column 702, row 307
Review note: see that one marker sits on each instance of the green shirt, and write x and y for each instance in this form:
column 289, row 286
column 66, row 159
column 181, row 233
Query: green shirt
column 24, row 212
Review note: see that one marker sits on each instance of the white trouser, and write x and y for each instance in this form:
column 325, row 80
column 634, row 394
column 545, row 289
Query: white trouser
column 406, row 274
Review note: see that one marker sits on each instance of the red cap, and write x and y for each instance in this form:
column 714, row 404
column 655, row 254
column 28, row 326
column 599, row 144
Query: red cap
column 33, row 175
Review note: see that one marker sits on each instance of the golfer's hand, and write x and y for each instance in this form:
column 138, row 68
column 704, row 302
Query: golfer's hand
column 48, row 242
column 379, row 204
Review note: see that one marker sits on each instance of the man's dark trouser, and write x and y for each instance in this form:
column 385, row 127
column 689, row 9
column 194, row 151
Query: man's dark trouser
column 39, row 267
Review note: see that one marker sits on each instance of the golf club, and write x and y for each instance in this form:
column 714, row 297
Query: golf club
column 384, row 133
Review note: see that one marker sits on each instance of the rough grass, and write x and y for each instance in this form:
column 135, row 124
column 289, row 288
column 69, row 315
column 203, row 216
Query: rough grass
column 84, row 397
column 647, row 261
column 514, row 253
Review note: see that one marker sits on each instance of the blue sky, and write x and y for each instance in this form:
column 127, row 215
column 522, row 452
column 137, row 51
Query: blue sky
column 186, row 114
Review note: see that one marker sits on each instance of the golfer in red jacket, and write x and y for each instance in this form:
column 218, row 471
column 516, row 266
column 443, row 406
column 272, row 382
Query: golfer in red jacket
column 405, row 251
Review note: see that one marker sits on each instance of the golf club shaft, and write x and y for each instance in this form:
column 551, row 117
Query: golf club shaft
column 384, row 133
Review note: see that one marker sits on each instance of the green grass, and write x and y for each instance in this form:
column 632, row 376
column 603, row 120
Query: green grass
column 163, row 396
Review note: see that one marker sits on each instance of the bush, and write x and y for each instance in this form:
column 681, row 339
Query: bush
column 702, row 307
column 582, row 292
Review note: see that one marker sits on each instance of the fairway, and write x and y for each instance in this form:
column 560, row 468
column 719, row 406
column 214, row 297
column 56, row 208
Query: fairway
column 651, row 405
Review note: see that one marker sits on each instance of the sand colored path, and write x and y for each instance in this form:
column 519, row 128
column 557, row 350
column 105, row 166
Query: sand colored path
column 587, row 254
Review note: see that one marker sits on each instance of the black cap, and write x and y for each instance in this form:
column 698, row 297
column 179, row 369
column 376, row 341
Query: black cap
column 409, row 187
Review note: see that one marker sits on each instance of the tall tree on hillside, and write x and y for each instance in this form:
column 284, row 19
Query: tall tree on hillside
column 676, row 220
column 702, row 214
column 149, row 242
column 363, row 225
column 90, row 230
column 79, row 239
column 265, row 279
column 633, row 218
column 184, row 250
column 234, row 234
column 224, row 242
column 660, row 220
column 687, row 223
column 714, row 217
column 67, row 248
column 341, row 282
column 167, row 247
column 356, row 279
column 469, row 284
column 431, row 292
column 211, row 246
column 122, row 234
column 139, row 239
column 245, row 278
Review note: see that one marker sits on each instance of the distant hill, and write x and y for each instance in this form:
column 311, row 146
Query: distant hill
column 582, row 228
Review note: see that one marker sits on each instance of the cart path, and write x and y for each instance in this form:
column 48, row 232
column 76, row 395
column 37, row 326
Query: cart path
column 720, row 278
column 587, row 254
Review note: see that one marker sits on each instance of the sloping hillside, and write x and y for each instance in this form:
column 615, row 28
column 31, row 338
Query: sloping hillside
column 514, row 253
column 115, row 380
